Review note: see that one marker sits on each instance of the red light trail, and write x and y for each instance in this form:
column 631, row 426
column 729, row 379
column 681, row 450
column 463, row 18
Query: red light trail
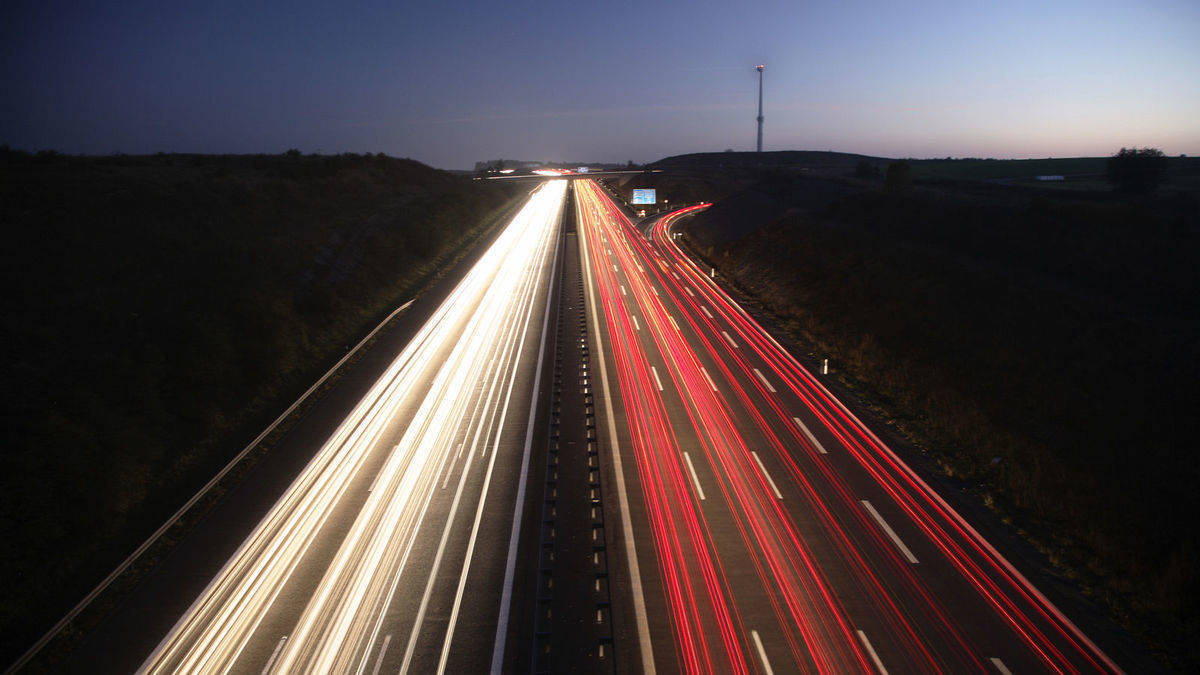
column 710, row 396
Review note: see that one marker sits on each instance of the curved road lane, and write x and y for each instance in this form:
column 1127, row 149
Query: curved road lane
column 775, row 531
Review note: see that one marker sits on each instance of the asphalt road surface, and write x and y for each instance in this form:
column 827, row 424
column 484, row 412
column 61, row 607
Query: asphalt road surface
column 393, row 550
column 771, row 530
column 738, row 517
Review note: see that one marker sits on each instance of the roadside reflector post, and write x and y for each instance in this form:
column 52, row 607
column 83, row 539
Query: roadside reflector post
column 824, row 366
column 712, row 273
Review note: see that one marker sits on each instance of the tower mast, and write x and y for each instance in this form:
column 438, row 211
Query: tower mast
column 759, row 68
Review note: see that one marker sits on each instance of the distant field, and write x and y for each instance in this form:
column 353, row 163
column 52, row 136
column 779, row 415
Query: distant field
column 956, row 169
column 990, row 169
column 1088, row 172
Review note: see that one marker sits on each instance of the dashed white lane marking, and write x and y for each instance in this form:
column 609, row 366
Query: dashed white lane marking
column 274, row 655
column 871, row 650
column 710, row 380
column 762, row 653
column 731, row 342
column 1000, row 666
column 889, row 531
column 654, row 372
column 689, row 291
column 449, row 470
column 673, row 321
column 614, row 267
column 382, row 651
column 763, row 379
column 808, row 434
column 636, row 325
column 692, row 470
column 375, row 482
column 706, row 312
column 623, row 290
column 766, row 475
column 676, row 276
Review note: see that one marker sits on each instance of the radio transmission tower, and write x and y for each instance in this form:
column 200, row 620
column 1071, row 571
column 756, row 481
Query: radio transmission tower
column 759, row 68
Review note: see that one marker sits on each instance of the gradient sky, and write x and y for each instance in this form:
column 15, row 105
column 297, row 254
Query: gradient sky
column 449, row 83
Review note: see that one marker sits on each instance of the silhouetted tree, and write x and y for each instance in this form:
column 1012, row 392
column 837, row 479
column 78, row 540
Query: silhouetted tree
column 898, row 178
column 10, row 156
column 1137, row 171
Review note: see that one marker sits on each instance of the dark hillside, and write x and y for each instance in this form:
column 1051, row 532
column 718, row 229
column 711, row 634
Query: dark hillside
column 1044, row 345
column 995, row 169
column 819, row 161
column 764, row 201
column 160, row 310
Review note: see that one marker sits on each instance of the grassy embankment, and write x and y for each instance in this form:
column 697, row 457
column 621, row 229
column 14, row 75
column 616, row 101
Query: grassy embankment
column 161, row 310
column 1043, row 345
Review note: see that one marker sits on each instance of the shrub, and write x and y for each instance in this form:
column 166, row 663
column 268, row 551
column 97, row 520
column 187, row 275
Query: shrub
column 1137, row 171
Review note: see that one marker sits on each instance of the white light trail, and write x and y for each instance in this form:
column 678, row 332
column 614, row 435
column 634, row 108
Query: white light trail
column 459, row 369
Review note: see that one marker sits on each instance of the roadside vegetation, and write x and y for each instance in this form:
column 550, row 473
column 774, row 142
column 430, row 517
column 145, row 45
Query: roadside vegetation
column 159, row 310
column 1042, row 344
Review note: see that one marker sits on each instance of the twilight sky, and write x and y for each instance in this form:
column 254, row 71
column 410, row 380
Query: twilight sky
column 451, row 82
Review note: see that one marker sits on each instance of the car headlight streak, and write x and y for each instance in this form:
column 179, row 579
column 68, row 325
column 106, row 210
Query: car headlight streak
column 466, row 356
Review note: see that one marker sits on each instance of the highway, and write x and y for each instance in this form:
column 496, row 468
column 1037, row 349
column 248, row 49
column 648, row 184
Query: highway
column 742, row 517
column 767, row 528
column 394, row 548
